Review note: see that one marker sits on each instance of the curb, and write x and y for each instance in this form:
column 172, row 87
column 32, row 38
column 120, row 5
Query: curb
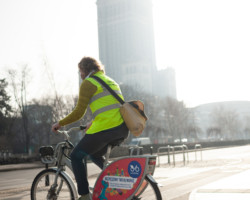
column 23, row 166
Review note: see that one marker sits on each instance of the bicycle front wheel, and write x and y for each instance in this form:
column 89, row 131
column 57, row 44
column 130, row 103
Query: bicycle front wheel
column 149, row 190
column 44, row 187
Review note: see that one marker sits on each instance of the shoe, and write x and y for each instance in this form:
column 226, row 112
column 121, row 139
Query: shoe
column 85, row 197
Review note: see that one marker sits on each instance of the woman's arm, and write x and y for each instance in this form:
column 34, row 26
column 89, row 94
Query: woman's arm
column 87, row 90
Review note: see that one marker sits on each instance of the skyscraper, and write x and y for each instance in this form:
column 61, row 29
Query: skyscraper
column 126, row 41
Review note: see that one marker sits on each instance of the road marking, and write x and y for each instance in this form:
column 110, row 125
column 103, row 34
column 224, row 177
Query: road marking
column 223, row 191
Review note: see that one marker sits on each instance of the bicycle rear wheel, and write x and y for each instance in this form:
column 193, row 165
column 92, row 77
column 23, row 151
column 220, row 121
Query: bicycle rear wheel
column 42, row 187
column 149, row 190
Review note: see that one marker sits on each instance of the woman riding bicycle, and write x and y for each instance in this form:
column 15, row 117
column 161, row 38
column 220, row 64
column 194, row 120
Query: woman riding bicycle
column 107, row 124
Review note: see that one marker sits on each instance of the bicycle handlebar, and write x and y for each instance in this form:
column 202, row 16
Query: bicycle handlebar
column 66, row 133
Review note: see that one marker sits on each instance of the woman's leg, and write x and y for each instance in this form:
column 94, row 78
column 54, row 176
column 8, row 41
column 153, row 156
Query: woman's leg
column 94, row 145
column 87, row 146
column 79, row 169
column 106, row 137
column 98, row 158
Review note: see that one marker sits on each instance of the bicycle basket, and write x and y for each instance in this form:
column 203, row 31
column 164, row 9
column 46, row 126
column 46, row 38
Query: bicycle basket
column 46, row 151
column 47, row 154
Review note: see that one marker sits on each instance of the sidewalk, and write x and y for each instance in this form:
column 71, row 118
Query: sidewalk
column 230, row 188
column 20, row 166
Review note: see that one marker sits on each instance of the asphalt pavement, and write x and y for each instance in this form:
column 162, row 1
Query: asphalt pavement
column 229, row 188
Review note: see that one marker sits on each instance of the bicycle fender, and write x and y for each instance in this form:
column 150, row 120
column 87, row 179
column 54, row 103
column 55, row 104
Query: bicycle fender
column 70, row 180
column 150, row 177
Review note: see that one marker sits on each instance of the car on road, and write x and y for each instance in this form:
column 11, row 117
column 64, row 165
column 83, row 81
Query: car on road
column 183, row 140
column 140, row 141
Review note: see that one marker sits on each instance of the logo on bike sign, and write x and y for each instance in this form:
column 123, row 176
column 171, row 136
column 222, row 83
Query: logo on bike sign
column 134, row 169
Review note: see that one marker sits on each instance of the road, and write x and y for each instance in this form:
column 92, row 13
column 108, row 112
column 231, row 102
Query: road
column 176, row 183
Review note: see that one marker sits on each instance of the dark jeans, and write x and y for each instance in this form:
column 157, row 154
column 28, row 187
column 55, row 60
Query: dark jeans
column 94, row 146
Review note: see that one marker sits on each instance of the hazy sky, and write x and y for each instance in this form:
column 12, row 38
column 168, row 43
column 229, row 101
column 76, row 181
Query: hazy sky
column 206, row 41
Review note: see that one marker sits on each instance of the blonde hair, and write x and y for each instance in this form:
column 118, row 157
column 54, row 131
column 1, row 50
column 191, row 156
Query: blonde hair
column 88, row 64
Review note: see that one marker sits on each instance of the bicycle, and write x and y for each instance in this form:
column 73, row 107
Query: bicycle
column 128, row 177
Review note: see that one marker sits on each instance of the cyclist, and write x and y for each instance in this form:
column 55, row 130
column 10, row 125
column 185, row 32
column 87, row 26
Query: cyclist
column 107, row 124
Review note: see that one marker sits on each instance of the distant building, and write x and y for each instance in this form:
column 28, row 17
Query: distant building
column 127, row 47
column 126, row 40
column 204, row 118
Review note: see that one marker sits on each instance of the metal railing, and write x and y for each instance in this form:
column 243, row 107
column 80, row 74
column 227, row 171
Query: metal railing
column 159, row 153
column 184, row 149
column 196, row 147
column 172, row 150
column 137, row 148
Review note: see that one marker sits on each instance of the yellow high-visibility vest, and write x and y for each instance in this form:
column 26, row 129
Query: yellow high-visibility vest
column 104, row 106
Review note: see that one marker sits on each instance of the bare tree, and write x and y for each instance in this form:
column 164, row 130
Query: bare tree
column 214, row 133
column 58, row 107
column 177, row 118
column 168, row 118
column 194, row 131
column 246, row 128
column 227, row 121
column 19, row 87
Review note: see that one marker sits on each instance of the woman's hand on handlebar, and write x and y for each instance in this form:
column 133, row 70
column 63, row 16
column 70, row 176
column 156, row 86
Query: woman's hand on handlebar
column 55, row 127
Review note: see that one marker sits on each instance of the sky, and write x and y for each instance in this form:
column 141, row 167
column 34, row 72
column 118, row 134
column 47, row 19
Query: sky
column 206, row 41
